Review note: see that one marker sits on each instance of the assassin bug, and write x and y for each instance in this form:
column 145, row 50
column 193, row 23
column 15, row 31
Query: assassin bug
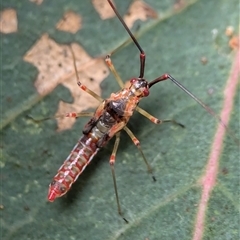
column 111, row 116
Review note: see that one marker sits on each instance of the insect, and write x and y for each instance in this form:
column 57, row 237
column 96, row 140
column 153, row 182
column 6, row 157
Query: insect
column 111, row 116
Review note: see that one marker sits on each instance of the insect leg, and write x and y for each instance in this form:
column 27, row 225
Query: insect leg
column 112, row 162
column 76, row 115
column 156, row 120
column 71, row 115
column 137, row 144
column 83, row 87
column 113, row 70
column 86, row 89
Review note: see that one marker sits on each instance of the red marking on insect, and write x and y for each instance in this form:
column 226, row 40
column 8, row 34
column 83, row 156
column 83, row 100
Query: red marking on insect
column 111, row 116
column 108, row 62
column 73, row 115
column 54, row 192
column 136, row 141
column 83, row 87
column 154, row 120
column 112, row 159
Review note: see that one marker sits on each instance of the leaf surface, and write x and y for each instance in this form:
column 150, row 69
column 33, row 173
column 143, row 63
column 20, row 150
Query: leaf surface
column 166, row 209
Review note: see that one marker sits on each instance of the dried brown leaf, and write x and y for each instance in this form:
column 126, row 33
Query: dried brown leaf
column 91, row 76
column 71, row 22
column 38, row 2
column 55, row 64
column 179, row 4
column 103, row 8
column 8, row 21
column 139, row 10
column 229, row 31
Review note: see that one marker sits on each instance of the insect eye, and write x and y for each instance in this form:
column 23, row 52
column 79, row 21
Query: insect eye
column 145, row 92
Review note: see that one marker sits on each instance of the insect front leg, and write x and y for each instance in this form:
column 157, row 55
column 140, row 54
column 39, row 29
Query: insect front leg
column 83, row 87
column 137, row 144
column 113, row 70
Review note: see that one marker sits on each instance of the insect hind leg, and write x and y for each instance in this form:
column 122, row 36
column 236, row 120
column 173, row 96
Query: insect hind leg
column 112, row 162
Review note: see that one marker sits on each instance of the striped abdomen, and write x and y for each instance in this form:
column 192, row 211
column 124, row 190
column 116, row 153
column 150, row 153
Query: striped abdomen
column 80, row 157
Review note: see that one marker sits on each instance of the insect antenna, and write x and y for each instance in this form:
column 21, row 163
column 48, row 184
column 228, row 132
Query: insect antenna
column 167, row 76
column 207, row 108
column 142, row 53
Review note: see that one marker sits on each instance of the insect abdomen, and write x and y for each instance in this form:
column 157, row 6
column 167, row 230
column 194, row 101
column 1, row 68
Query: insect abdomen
column 73, row 166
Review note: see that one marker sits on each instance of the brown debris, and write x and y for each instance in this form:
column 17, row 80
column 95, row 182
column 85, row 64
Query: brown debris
column 204, row 60
column 179, row 4
column 234, row 42
column 71, row 22
column 55, row 65
column 103, row 8
column 38, row 2
column 233, row 38
column 8, row 21
column 229, row 31
column 139, row 10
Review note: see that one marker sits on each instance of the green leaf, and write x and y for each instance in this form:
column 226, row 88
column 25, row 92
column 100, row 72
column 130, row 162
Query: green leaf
column 165, row 209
